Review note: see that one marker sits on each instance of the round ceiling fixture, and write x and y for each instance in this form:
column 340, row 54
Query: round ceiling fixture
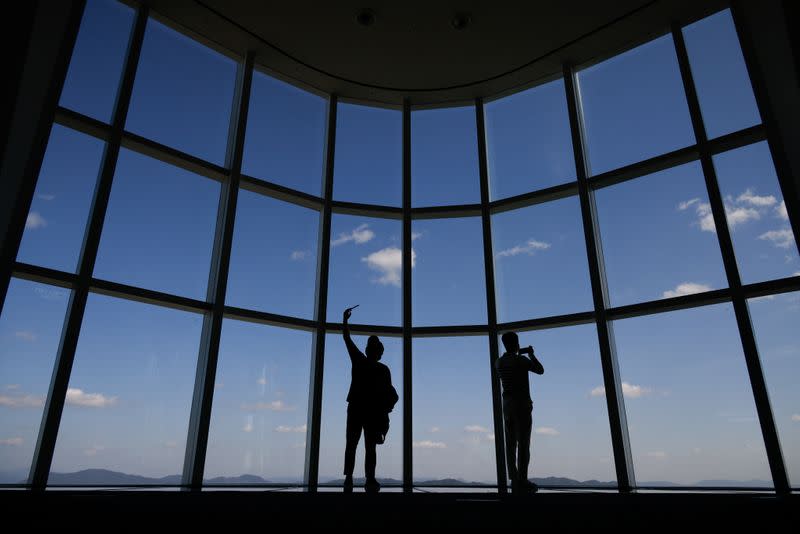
column 460, row 21
column 365, row 17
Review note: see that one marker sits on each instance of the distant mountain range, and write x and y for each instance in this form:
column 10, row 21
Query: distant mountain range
column 105, row 477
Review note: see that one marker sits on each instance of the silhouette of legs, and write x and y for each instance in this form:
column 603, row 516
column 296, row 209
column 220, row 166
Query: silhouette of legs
column 518, row 424
column 524, row 424
column 353, row 435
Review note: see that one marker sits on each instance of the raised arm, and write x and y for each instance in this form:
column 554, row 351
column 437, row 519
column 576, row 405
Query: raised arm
column 536, row 365
column 352, row 350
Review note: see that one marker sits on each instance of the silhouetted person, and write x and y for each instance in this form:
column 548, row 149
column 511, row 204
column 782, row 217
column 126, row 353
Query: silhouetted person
column 370, row 399
column 513, row 368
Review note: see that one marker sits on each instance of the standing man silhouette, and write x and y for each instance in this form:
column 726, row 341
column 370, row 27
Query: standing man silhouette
column 513, row 368
column 370, row 399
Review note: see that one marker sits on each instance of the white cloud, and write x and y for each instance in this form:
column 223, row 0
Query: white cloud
column 274, row 406
column 686, row 288
column 262, row 381
column 739, row 215
column 388, row 262
column 796, row 273
column 46, row 197
column 35, row 221
column 476, row 428
column 780, row 209
column 11, row 386
column 754, row 200
column 92, row 451
column 706, row 217
column 796, row 417
column 77, row 397
column 359, row 236
column 11, row 442
column 657, row 454
column 783, row 238
column 248, row 427
column 415, row 235
column 428, row 444
column 25, row 335
column 435, row 429
column 530, row 247
column 298, row 255
column 628, row 390
column 683, row 206
column 546, row 431
column 21, row 401
column 285, row 429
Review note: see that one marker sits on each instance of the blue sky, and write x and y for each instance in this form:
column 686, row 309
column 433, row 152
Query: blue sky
column 688, row 401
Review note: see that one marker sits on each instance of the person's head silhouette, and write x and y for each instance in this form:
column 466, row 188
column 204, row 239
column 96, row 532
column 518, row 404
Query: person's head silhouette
column 511, row 342
column 374, row 349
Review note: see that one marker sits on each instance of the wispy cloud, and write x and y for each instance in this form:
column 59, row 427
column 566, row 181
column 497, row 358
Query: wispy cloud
column 48, row 293
column 389, row 263
column 415, row 235
column 657, row 454
column 686, row 288
column 546, row 431
column 286, row 429
column 11, row 387
column 77, row 397
column 783, row 238
column 171, row 444
column 359, row 235
column 12, row 442
column 46, row 197
column 21, row 401
column 780, row 211
column 428, row 444
column 25, row 335
column 274, row 406
column 248, row 426
column 299, row 255
column 530, row 247
column 435, row 429
column 748, row 197
column 686, row 204
column 796, row 417
column 477, row 429
column 631, row 391
column 35, row 221
column 92, row 451
column 262, row 381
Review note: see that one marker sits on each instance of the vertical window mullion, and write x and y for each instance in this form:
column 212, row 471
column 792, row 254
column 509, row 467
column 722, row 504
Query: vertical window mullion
column 755, row 372
column 611, row 377
column 407, row 305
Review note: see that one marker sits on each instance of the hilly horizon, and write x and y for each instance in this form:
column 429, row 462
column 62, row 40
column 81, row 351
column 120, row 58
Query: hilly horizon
column 106, row 477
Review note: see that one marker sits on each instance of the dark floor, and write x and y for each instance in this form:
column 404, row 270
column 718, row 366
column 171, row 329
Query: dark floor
column 232, row 511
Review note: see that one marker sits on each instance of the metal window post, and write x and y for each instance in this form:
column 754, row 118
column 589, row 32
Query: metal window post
column 321, row 306
column 56, row 397
column 200, row 418
column 407, row 296
column 738, row 299
column 605, row 335
column 491, row 303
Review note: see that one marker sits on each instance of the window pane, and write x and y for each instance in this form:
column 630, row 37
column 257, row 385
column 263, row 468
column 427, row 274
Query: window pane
column 634, row 106
column 571, row 438
column 691, row 416
column 650, row 227
column 258, row 422
column 274, row 256
column 540, row 261
column 98, row 58
column 365, row 269
column 285, row 140
column 775, row 319
column 720, row 75
column 30, row 330
column 762, row 237
column 368, row 166
column 449, row 282
column 129, row 396
column 336, row 384
column 444, row 157
column 529, row 141
column 56, row 222
column 159, row 227
column 453, row 428
column 182, row 95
